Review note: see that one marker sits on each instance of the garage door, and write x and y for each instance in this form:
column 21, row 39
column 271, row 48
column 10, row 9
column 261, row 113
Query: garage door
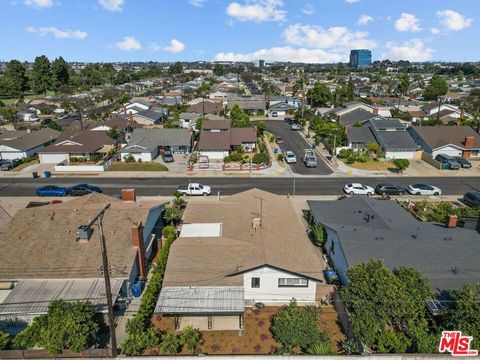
column 448, row 151
column 52, row 158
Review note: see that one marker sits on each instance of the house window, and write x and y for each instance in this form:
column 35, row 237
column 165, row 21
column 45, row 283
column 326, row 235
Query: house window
column 475, row 153
column 255, row 282
column 292, row 282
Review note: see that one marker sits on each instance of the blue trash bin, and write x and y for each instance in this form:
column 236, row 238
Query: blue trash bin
column 275, row 150
column 137, row 289
column 47, row 174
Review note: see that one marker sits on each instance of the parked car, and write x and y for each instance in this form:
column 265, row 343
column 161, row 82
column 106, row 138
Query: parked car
column 167, row 156
column 194, row 189
column 389, row 189
column 10, row 164
column 52, row 190
column 290, row 157
column 295, row 126
column 84, row 189
column 309, row 158
column 472, row 199
column 464, row 163
column 424, row 189
column 358, row 189
column 279, row 140
column 448, row 162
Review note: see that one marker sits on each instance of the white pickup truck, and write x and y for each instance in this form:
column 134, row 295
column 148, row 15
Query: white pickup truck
column 194, row 189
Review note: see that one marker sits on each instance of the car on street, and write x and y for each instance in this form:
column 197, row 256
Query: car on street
column 84, row 189
column 194, row 189
column 389, row 189
column 290, row 157
column 295, row 126
column 424, row 189
column 309, row 158
column 472, row 199
column 167, row 156
column 358, row 189
column 464, row 163
column 52, row 190
column 279, row 140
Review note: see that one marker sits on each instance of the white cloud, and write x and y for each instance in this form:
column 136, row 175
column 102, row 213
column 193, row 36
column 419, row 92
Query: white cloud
column 39, row 4
column 352, row 1
column 364, row 20
column 58, row 33
column 452, row 20
column 408, row 22
column 435, row 31
column 112, row 5
column 413, row 50
column 257, row 11
column 284, row 54
column 197, row 3
column 338, row 38
column 129, row 43
column 175, row 46
column 308, row 9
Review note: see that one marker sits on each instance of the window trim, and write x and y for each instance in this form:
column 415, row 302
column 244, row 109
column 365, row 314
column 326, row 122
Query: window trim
column 293, row 286
column 252, row 282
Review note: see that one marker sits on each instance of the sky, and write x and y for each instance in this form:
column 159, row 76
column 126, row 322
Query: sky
column 310, row 31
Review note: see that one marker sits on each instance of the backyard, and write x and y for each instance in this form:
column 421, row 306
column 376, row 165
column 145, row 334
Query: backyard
column 439, row 211
column 256, row 337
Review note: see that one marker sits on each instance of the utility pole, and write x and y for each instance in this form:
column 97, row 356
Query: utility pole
column 440, row 100
column 106, row 274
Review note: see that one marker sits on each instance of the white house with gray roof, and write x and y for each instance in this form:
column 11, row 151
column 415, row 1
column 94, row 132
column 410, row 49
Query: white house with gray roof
column 22, row 144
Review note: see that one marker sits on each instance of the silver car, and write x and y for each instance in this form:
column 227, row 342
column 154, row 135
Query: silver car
column 290, row 157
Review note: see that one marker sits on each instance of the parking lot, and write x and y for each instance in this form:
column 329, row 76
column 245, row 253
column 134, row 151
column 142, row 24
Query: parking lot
column 293, row 141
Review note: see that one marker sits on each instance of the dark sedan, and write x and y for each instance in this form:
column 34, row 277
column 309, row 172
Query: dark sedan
column 52, row 190
column 389, row 189
column 167, row 156
column 84, row 189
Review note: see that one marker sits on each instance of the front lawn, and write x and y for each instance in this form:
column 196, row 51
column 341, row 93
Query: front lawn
column 374, row 165
column 120, row 166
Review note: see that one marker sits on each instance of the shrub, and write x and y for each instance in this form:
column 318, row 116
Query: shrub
column 191, row 338
column 351, row 347
column 362, row 158
column 235, row 156
column 260, row 158
column 280, row 157
column 169, row 232
column 139, row 339
column 321, row 348
column 271, row 138
column 170, row 343
column 172, row 215
column 318, row 235
column 345, row 153
column 5, row 340
column 351, row 159
column 227, row 159
column 129, row 158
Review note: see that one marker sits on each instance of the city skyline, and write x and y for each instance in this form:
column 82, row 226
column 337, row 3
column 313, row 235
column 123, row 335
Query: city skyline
column 243, row 30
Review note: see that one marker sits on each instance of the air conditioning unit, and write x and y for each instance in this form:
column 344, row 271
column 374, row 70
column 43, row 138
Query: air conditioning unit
column 84, row 232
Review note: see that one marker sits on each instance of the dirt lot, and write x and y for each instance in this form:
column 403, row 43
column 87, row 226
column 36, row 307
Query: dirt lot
column 256, row 337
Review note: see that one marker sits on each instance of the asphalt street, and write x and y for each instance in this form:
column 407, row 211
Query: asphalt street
column 229, row 186
column 296, row 143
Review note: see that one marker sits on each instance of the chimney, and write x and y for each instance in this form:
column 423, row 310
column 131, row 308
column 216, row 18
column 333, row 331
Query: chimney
column 137, row 238
column 469, row 142
column 129, row 195
column 375, row 111
column 452, row 221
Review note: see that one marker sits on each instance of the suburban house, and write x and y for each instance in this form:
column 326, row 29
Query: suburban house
column 359, row 228
column 290, row 100
column 250, row 104
column 22, row 144
column 453, row 111
column 336, row 113
column 169, row 100
column 448, row 140
column 356, row 116
column 142, row 112
column 205, row 106
column 218, row 138
column 390, row 134
column 76, row 144
column 146, row 144
column 187, row 119
column 234, row 253
column 53, row 258
column 280, row 109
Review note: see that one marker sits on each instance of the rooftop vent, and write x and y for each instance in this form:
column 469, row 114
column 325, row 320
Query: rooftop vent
column 256, row 222
column 84, row 233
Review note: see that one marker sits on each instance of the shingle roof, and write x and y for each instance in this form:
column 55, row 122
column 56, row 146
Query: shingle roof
column 438, row 136
column 25, row 141
column 396, row 140
column 360, row 135
column 40, row 242
column 280, row 242
column 355, row 116
column 382, row 229
column 148, row 139
column 214, row 141
column 242, row 135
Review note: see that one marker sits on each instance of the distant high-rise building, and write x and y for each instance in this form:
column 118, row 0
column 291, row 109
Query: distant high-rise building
column 361, row 58
column 260, row 63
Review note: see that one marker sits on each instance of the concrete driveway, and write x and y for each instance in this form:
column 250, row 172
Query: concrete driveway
column 293, row 141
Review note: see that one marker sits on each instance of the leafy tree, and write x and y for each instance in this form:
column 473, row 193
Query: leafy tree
column 5, row 340
column 54, row 125
column 261, row 128
column 170, row 343
column 238, row 117
column 403, row 84
column 373, row 147
column 296, row 326
column 199, row 122
column 139, row 339
column 176, row 68
column 67, row 325
column 16, row 79
column 41, row 75
column 60, row 74
column 172, row 215
column 437, row 87
column 401, row 164
column 114, row 133
column 9, row 114
column 388, row 309
column 350, row 89
column 191, row 338
column 319, row 96
column 260, row 158
column 218, row 70
column 464, row 312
